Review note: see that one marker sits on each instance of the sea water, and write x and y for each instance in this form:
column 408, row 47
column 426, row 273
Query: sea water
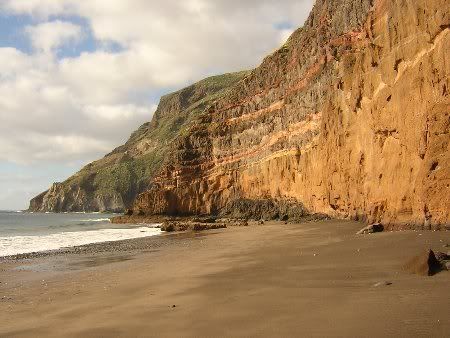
column 23, row 232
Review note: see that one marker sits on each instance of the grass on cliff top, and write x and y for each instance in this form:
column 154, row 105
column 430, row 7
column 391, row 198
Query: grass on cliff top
column 170, row 126
column 128, row 177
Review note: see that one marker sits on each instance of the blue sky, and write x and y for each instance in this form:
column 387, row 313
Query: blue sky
column 77, row 77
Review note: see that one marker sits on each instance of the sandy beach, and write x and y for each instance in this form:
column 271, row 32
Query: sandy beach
column 272, row 280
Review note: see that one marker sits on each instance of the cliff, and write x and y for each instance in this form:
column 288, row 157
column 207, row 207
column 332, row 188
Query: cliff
column 113, row 182
column 349, row 118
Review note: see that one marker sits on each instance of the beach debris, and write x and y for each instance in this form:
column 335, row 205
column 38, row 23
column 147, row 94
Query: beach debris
column 425, row 264
column 370, row 229
column 384, row 283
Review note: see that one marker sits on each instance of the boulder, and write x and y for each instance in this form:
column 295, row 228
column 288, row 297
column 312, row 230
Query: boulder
column 370, row 229
column 425, row 264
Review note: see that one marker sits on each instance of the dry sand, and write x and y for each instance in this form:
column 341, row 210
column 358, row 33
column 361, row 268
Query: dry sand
column 275, row 280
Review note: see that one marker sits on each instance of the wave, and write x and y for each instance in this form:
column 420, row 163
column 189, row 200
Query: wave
column 96, row 220
column 27, row 244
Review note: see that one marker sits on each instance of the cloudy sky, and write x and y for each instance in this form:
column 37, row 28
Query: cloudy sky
column 78, row 76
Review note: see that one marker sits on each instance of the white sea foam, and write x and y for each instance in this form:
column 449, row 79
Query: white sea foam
column 27, row 244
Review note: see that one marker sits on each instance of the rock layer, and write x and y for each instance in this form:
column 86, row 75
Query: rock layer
column 349, row 118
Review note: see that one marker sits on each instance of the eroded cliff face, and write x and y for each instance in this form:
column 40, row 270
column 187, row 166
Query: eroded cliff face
column 113, row 182
column 349, row 118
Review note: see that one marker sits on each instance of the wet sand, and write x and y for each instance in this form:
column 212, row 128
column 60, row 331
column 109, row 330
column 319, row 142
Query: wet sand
column 275, row 280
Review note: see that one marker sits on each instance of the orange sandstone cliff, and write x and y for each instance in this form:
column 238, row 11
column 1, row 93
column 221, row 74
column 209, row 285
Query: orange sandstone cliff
column 350, row 118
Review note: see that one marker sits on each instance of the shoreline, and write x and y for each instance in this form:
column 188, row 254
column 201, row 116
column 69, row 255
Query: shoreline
column 147, row 219
column 181, row 227
column 214, row 283
column 99, row 247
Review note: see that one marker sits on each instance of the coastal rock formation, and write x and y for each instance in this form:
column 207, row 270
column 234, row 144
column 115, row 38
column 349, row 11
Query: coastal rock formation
column 112, row 183
column 350, row 118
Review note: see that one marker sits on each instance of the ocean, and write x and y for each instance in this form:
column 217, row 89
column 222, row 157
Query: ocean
column 23, row 232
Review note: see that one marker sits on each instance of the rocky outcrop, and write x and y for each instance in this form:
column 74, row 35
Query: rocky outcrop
column 172, row 226
column 112, row 183
column 349, row 118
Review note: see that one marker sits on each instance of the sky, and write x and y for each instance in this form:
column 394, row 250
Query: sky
column 77, row 77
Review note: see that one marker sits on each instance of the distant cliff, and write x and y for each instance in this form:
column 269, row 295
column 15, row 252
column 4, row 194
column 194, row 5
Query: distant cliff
column 349, row 118
column 113, row 182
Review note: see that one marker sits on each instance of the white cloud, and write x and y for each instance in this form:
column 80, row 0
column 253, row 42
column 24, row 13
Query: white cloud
column 48, row 36
column 285, row 34
column 118, row 112
column 80, row 107
column 41, row 8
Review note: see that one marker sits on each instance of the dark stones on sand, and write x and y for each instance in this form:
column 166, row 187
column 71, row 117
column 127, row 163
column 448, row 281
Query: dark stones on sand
column 444, row 259
column 171, row 226
column 370, row 229
column 425, row 264
column 204, row 219
column 265, row 209
column 441, row 256
column 168, row 227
